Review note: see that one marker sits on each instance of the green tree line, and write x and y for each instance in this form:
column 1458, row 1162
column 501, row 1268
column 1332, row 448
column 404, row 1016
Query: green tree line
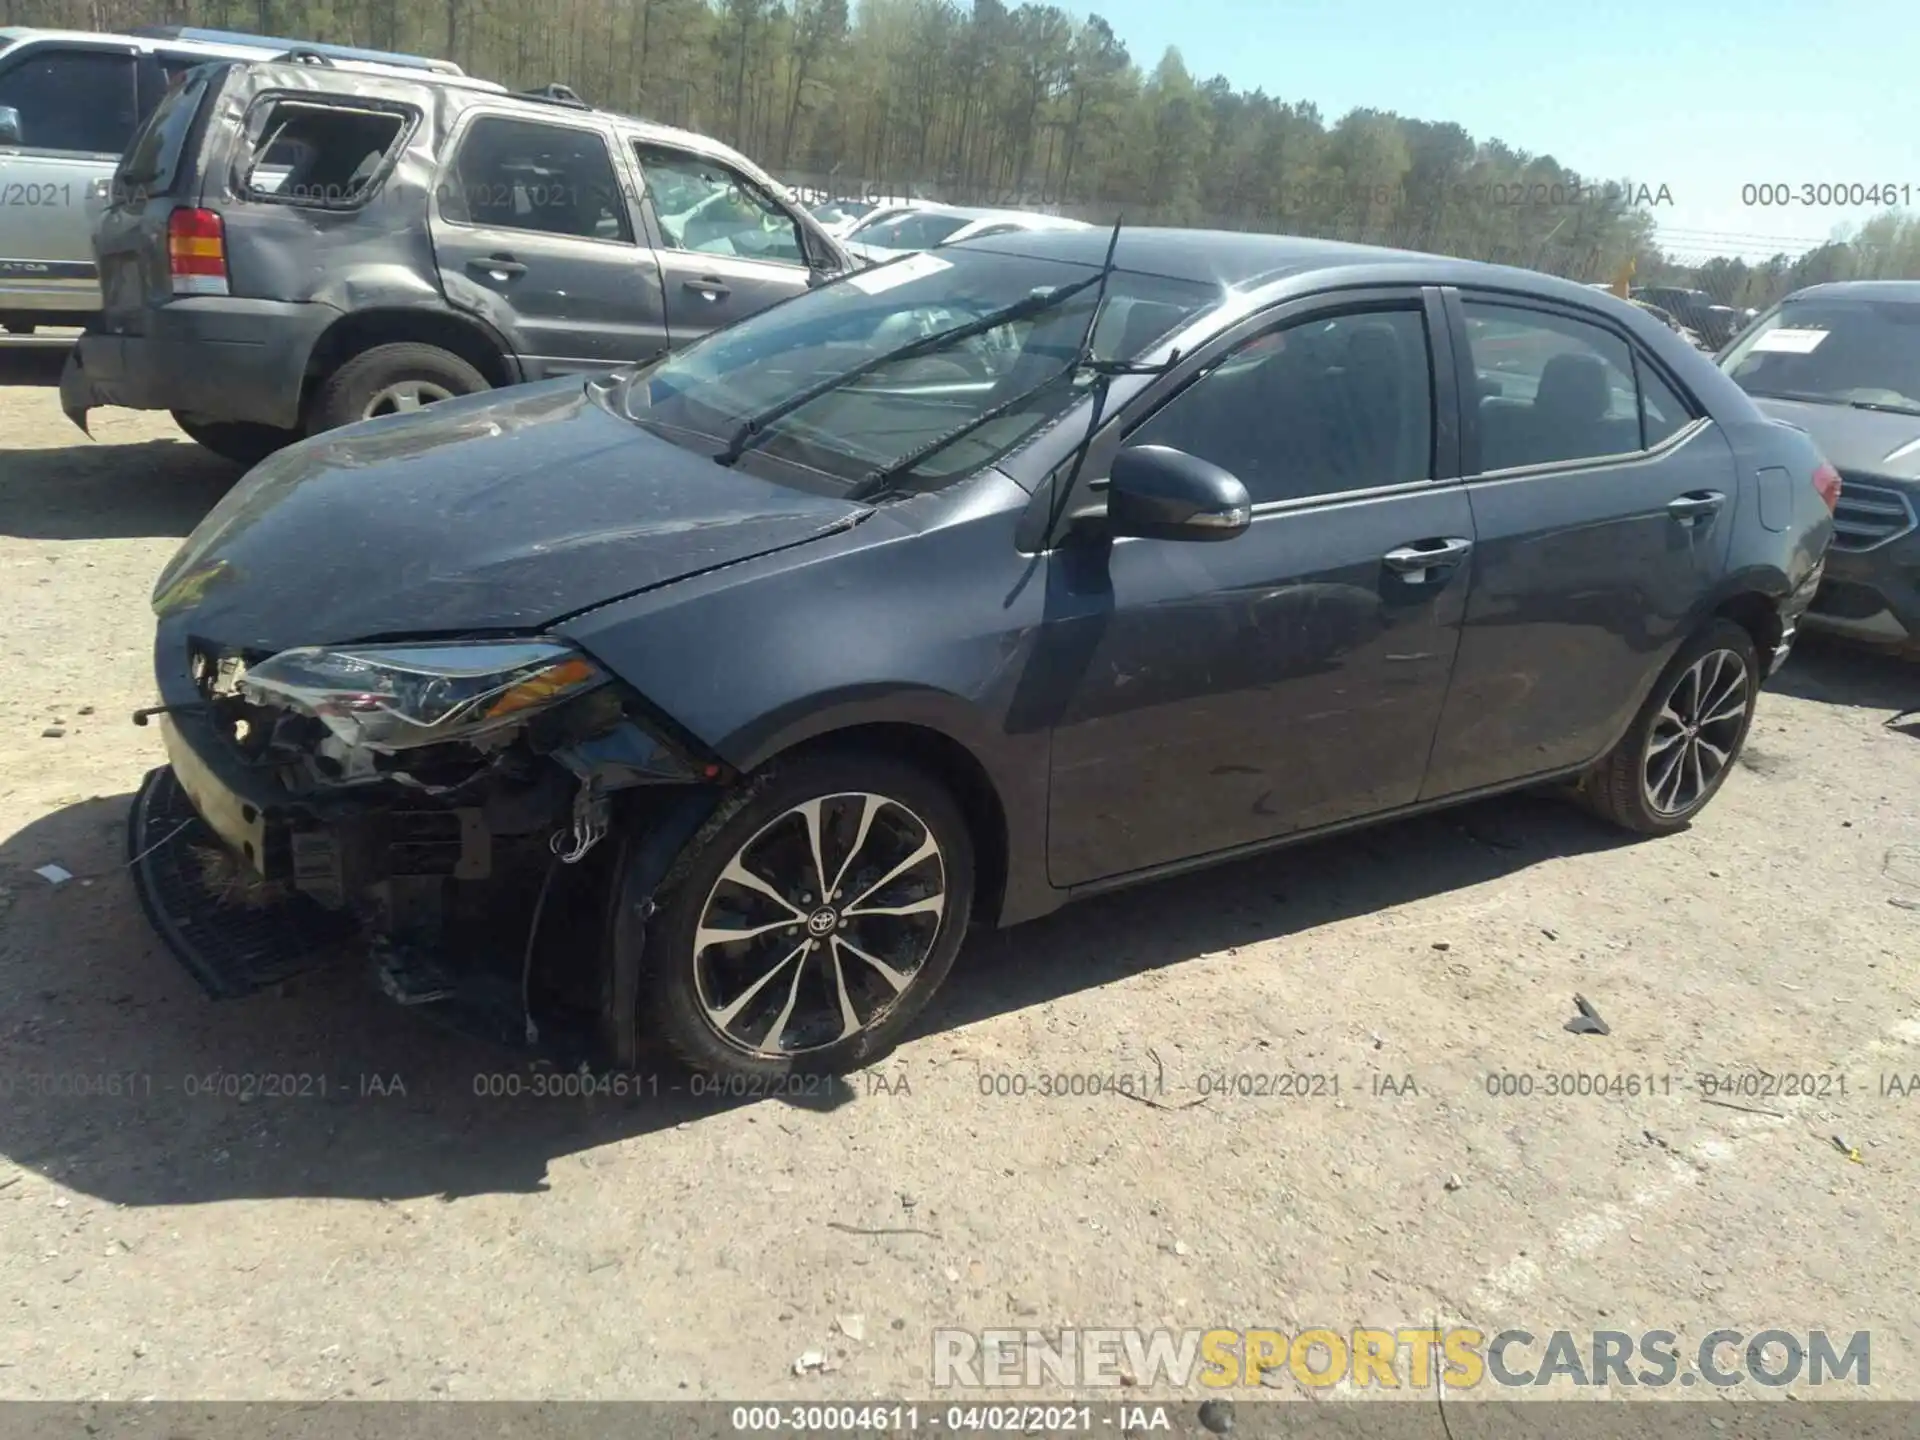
column 1032, row 106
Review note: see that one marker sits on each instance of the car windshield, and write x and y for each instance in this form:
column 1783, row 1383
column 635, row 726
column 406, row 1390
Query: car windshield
column 1834, row 350
column 915, row 230
column 996, row 381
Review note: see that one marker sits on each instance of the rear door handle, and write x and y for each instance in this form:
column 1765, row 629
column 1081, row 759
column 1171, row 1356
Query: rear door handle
column 707, row 287
column 1426, row 560
column 1696, row 505
column 504, row 265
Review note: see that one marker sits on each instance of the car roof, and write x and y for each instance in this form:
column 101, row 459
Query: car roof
column 234, row 45
column 1241, row 260
column 1902, row 291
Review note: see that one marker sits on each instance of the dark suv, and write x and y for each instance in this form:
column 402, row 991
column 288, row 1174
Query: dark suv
column 293, row 246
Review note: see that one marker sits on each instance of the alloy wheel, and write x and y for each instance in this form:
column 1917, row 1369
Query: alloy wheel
column 819, row 924
column 1692, row 739
column 402, row 396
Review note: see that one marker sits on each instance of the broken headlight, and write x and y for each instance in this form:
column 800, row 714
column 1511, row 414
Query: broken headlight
column 395, row 697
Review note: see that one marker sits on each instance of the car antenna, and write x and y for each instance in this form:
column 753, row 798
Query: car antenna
column 1103, row 373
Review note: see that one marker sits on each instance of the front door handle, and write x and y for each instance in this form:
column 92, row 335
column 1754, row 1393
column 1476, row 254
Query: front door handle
column 708, row 288
column 500, row 266
column 1425, row 560
column 1696, row 505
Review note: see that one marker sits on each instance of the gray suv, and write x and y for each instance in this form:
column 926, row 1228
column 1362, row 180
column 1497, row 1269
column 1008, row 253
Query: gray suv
column 296, row 245
column 70, row 101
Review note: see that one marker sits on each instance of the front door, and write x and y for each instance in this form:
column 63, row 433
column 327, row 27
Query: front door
column 1230, row 693
column 533, row 232
column 726, row 247
column 77, row 108
column 1603, row 502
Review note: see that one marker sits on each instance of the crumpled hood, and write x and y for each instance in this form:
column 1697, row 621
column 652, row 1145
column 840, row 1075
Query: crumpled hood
column 497, row 512
column 1858, row 442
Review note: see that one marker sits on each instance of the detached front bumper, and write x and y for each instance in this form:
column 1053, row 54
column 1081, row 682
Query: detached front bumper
column 217, row 357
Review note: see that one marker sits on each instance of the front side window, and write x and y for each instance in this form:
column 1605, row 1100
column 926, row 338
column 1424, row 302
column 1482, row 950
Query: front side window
column 953, row 405
column 79, row 100
column 1552, row 389
column 704, row 206
column 1318, row 407
column 529, row 175
column 325, row 154
column 1833, row 350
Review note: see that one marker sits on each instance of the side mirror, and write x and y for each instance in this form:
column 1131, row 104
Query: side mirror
column 10, row 126
column 1155, row 492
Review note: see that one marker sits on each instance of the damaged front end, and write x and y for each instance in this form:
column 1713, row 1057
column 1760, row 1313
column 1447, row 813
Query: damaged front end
column 439, row 804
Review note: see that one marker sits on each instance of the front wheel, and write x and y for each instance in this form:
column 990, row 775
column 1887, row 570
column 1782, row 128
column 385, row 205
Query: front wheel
column 807, row 927
column 1682, row 745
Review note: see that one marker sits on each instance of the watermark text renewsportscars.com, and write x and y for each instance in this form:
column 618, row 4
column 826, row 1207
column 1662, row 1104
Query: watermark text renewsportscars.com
column 1414, row 1358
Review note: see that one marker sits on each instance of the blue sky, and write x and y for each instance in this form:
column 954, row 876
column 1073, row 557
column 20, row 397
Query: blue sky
column 1703, row 96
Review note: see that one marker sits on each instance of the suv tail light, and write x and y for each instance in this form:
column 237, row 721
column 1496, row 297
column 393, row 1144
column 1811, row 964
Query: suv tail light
column 197, row 252
column 1826, row 483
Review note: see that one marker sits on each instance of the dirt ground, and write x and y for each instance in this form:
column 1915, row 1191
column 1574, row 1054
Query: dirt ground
column 404, row 1236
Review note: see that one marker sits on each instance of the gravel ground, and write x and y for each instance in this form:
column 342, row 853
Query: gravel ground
column 402, row 1236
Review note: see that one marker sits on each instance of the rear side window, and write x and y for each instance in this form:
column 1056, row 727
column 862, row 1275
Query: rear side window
column 152, row 162
column 1552, row 389
column 1662, row 411
column 526, row 175
column 78, row 100
column 327, row 154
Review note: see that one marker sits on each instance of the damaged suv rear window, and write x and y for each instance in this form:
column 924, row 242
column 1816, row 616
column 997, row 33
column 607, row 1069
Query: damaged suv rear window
column 325, row 154
column 153, row 158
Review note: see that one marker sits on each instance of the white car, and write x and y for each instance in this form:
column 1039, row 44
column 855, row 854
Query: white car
column 926, row 226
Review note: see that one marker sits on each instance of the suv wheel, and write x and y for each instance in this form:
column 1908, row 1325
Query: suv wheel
column 390, row 380
column 240, row 441
column 806, row 928
column 1682, row 745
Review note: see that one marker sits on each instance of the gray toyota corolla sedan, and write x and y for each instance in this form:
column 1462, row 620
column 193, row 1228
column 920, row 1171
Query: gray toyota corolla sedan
column 711, row 701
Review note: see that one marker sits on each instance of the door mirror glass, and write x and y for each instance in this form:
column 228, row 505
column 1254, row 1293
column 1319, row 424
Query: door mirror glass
column 9, row 125
column 1155, row 492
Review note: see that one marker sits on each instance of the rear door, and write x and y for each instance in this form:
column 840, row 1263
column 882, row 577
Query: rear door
column 156, row 174
column 534, row 231
column 1603, row 506
column 78, row 108
column 726, row 247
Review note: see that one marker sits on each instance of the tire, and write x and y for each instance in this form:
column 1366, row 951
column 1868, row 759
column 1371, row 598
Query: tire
column 1635, row 787
column 719, row 1009
column 379, row 382
column 239, row 441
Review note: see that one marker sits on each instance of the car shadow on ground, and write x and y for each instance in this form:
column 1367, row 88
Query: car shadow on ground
column 1833, row 672
column 91, row 491
column 120, row 1080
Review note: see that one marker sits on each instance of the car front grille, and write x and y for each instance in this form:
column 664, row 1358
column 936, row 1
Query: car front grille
column 1869, row 515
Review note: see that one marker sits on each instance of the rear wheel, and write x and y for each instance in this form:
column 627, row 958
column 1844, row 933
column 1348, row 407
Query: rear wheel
column 807, row 927
column 1682, row 745
column 391, row 380
column 240, row 441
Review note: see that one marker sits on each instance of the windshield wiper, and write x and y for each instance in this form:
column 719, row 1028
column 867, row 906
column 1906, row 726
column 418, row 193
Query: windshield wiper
column 1888, row 406
column 754, row 426
column 1795, row 395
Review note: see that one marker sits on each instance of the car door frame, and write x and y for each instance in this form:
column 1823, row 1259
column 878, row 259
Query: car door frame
column 533, row 362
column 1454, row 297
column 1034, row 535
column 668, row 258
